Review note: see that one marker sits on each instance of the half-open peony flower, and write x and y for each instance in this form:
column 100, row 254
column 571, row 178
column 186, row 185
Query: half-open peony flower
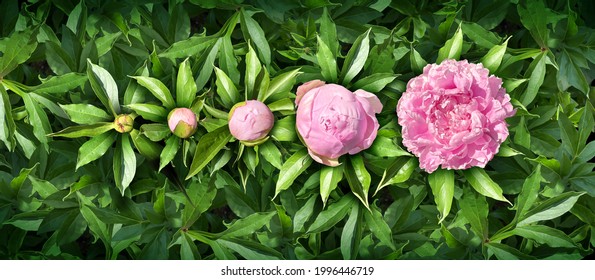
column 250, row 121
column 182, row 122
column 333, row 121
column 453, row 115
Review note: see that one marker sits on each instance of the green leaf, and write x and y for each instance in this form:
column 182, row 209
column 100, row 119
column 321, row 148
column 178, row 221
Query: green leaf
column 417, row 62
column 358, row 178
column 570, row 62
column 185, row 85
column 328, row 32
column 480, row 35
column 7, row 125
column 124, row 163
column 253, row 68
column 207, row 63
column 155, row 131
column 493, row 58
column 284, row 129
column 271, row 154
column 304, row 214
column 442, row 183
column 226, row 89
column 475, row 210
column 329, row 180
column 291, row 169
column 158, row 89
column 201, row 195
column 505, row 252
column 398, row 171
column 385, row 147
column 585, row 126
column 375, row 82
column 104, row 86
column 535, row 17
column 254, row 32
column 189, row 47
column 545, row 235
column 95, row 148
column 207, row 148
column 351, row 234
column 535, row 79
column 144, row 146
column 247, row 226
column 529, row 193
column 88, row 130
column 379, row 228
column 60, row 84
column 250, row 250
column 356, row 58
column 285, row 104
column 327, row 61
column 282, row 83
column 551, row 208
column 483, row 184
column 172, row 144
column 452, row 48
column 18, row 48
column 86, row 113
column 38, row 119
column 333, row 214
column 568, row 134
column 149, row 112
column 228, row 61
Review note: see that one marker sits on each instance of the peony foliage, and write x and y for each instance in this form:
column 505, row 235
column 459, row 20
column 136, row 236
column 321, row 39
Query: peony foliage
column 244, row 129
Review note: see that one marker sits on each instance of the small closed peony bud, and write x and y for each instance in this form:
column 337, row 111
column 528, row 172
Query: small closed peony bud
column 250, row 122
column 182, row 122
column 123, row 123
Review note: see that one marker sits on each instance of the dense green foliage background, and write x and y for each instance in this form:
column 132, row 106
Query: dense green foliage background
column 73, row 187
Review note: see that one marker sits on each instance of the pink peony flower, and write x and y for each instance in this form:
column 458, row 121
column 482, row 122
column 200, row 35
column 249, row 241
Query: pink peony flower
column 250, row 121
column 334, row 121
column 182, row 122
column 453, row 115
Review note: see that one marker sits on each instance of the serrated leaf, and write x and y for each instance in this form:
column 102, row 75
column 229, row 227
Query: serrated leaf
column 442, row 183
column 158, row 89
column 207, row 148
column 104, row 86
column 85, row 113
column 292, row 167
column 483, row 184
column 95, row 148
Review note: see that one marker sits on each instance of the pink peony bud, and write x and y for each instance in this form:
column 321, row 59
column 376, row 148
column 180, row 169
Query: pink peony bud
column 182, row 122
column 250, row 121
column 123, row 123
column 454, row 115
column 333, row 121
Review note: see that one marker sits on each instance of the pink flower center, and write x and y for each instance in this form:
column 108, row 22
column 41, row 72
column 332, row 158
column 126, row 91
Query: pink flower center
column 338, row 124
column 451, row 115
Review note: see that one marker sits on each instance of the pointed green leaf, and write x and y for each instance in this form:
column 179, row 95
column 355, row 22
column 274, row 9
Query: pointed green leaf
column 282, row 83
column 185, row 85
column 529, row 193
column 379, row 228
column 155, row 131
column 483, row 184
column 493, row 58
column 95, row 148
column 189, row 47
column 86, row 113
column 254, row 32
column 291, row 169
column 271, row 154
column 475, row 209
column 375, row 82
column 248, row 225
column 60, row 84
column 328, row 32
column 7, row 125
column 149, row 112
column 124, row 163
column 333, row 214
column 327, row 61
column 442, row 183
column 226, row 90
column 356, row 58
column 359, row 178
column 207, row 148
column 253, row 68
column 104, row 86
column 452, row 48
column 329, row 180
column 551, row 208
column 172, row 144
column 144, row 146
column 18, row 48
column 536, row 78
column 87, row 130
column 545, row 235
column 158, row 89
column 351, row 234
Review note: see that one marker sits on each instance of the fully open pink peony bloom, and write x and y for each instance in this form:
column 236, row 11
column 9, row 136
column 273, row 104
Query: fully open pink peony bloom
column 334, row 121
column 182, row 122
column 250, row 121
column 453, row 115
